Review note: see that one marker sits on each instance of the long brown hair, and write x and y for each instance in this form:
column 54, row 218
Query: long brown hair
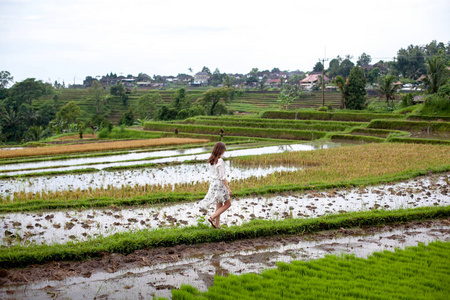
column 217, row 151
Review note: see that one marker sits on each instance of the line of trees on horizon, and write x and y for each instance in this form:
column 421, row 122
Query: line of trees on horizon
column 21, row 119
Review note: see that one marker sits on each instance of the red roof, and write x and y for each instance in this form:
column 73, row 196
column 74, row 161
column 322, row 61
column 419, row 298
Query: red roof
column 313, row 78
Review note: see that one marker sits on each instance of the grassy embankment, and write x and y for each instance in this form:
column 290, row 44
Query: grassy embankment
column 413, row 273
column 322, row 169
column 128, row 242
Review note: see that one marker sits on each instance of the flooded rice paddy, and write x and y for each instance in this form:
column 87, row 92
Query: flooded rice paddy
column 155, row 272
column 63, row 226
column 167, row 175
column 136, row 158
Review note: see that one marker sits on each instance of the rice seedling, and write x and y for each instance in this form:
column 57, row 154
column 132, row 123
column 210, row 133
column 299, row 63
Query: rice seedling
column 413, row 273
column 99, row 147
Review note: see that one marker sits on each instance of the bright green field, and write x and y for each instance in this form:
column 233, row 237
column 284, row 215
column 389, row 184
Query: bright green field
column 421, row 272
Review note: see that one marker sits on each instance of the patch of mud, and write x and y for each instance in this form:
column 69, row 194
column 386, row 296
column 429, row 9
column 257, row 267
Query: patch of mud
column 149, row 272
column 64, row 226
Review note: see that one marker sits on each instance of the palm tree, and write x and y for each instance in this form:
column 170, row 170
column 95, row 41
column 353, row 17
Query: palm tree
column 437, row 76
column 228, row 81
column 34, row 133
column 388, row 87
column 12, row 122
column 342, row 85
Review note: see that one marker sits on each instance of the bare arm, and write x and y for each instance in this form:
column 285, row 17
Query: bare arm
column 226, row 184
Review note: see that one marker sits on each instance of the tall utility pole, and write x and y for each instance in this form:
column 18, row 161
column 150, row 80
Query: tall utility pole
column 323, row 79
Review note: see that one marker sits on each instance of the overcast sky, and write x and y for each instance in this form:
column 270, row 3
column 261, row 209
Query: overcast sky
column 66, row 39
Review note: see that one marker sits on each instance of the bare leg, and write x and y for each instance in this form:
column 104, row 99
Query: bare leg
column 219, row 210
column 217, row 219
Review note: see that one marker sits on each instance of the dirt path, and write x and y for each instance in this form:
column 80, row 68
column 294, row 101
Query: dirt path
column 149, row 272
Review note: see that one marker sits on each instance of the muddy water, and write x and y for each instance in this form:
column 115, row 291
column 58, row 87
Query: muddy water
column 152, row 176
column 146, row 273
column 142, row 158
column 431, row 135
column 62, row 226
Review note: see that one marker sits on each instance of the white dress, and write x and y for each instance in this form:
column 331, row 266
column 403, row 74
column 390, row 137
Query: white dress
column 218, row 192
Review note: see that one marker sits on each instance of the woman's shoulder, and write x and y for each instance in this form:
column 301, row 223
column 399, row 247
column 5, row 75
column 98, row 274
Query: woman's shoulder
column 220, row 161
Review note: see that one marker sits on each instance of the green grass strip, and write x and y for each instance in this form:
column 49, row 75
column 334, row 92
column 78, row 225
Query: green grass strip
column 331, row 116
column 410, row 125
column 419, row 272
column 128, row 242
column 276, row 124
column 238, row 131
column 352, row 137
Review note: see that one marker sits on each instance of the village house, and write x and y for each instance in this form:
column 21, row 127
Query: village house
column 310, row 80
column 201, row 79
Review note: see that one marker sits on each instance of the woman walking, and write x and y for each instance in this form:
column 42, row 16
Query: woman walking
column 219, row 192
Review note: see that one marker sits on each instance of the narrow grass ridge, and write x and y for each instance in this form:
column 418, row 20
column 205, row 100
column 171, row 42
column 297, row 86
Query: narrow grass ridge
column 352, row 116
column 128, row 242
column 238, row 131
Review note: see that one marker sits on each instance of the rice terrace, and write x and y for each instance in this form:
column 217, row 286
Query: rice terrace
column 339, row 181
column 319, row 198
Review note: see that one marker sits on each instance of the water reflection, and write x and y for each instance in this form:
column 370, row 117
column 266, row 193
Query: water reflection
column 191, row 173
column 62, row 226
column 143, row 158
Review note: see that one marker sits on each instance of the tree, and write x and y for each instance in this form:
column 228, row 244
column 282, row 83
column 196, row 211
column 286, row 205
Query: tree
column 29, row 114
column 217, row 78
column 287, row 95
column 181, row 100
column 119, row 90
column 318, row 67
column 145, row 107
column 166, row 113
column 227, row 81
column 5, row 79
column 26, row 91
column 410, row 62
column 68, row 114
column 373, row 75
column 387, row 87
column 342, row 85
column 262, row 84
column 333, row 69
column 12, row 123
column 47, row 112
column 345, row 67
column 34, row 133
column 356, row 93
column 206, row 69
column 212, row 100
column 275, row 70
column 127, row 118
column 437, row 74
column 364, row 60
column 96, row 92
